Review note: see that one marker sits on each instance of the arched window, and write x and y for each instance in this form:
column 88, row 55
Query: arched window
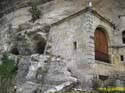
column 123, row 36
column 101, row 45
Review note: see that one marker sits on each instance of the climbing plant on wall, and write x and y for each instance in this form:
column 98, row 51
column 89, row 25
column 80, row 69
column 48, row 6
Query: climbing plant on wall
column 8, row 71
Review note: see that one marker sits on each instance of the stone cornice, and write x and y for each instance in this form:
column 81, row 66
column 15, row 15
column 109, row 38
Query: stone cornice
column 95, row 13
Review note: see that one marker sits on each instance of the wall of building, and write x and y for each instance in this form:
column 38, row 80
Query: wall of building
column 119, row 40
column 63, row 36
column 102, row 68
column 82, row 61
column 120, row 45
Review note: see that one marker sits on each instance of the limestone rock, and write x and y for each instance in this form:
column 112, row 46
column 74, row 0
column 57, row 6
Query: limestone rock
column 28, row 67
column 25, row 26
column 34, row 74
column 30, row 39
column 28, row 87
column 58, row 77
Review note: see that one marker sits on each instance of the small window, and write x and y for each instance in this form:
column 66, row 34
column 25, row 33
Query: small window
column 75, row 45
column 123, row 36
column 122, row 58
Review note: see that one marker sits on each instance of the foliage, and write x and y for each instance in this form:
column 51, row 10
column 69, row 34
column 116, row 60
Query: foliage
column 35, row 12
column 73, row 91
column 8, row 68
column 8, row 71
column 112, row 90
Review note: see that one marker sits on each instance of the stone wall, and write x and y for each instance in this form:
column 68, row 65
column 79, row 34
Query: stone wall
column 72, row 38
column 63, row 37
column 82, row 61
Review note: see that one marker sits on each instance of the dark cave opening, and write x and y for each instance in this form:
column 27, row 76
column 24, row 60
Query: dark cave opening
column 15, row 51
column 40, row 48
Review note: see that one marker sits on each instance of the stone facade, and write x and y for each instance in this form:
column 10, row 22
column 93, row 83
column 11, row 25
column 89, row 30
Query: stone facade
column 80, row 28
column 58, row 50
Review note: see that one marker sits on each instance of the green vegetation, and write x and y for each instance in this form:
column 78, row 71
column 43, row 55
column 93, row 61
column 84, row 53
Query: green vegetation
column 112, row 90
column 35, row 12
column 73, row 91
column 8, row 71
column 108, row 90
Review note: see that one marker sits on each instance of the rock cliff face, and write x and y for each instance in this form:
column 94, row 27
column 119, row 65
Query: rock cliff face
column 39, row 70
column 7, row 6
column 111, row 9
column 42, row 74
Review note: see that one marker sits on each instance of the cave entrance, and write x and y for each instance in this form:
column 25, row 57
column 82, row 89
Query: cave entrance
column 14, row 51
column 40, row 48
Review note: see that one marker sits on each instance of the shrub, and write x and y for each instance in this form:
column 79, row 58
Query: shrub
column 35, row 12
column 8, row 71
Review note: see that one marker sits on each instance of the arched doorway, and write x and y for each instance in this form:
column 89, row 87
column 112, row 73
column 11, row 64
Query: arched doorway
column 101, row 46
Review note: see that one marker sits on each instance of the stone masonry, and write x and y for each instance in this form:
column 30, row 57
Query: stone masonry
column 58, row 51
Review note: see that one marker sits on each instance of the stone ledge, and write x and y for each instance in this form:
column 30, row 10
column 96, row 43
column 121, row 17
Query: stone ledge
column 103, row 63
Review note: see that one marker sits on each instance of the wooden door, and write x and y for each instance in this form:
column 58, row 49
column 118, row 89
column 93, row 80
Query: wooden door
column 101, row 43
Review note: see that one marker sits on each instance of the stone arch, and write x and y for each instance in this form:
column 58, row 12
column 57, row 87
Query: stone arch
column 105, row 30
column 101, row 40
column 107, row 33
